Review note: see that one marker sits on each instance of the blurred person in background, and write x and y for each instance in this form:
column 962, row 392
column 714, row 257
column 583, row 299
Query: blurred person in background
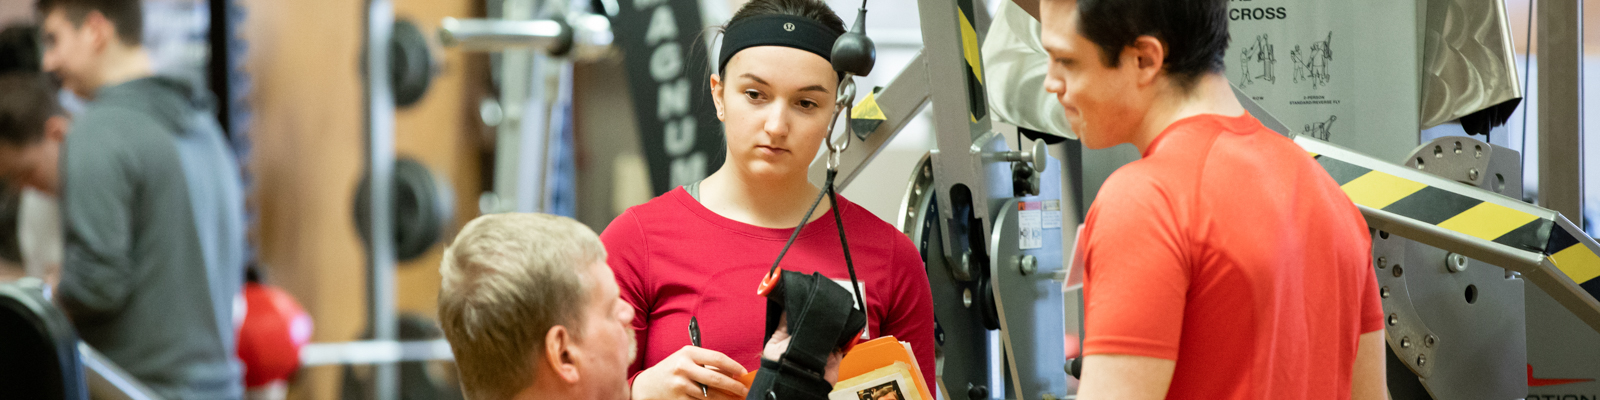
column 10, row 255
column 153, row 213
column 33, row 219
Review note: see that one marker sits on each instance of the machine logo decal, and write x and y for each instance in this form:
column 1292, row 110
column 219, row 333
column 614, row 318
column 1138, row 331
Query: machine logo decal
column 1532, row 381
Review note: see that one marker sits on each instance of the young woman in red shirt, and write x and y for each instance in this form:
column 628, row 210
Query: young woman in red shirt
column 700, row 251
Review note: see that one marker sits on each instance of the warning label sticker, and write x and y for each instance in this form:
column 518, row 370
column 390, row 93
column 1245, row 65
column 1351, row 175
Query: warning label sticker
column 1032, row 229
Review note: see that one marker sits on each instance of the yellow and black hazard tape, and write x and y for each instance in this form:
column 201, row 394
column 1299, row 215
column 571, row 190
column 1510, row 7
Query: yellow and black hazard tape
column 1575, row 259
column 1449, row 210
column 978, row 106
column 1467, row 215
column 866, row 116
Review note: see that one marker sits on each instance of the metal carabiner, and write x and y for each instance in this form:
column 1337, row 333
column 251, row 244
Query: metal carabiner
column 844, row 102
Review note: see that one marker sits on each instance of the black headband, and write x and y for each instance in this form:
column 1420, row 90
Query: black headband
column 777, row 30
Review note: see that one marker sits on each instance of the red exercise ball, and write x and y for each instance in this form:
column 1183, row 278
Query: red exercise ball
column 275, row 327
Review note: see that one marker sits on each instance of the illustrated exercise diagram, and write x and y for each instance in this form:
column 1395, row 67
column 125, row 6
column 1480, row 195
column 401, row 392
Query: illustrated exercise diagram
column 1258, row 61
column 1321, row 129
column 1312, row 65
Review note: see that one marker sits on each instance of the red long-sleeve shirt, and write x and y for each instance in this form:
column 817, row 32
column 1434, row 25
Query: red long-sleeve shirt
column 674, row 259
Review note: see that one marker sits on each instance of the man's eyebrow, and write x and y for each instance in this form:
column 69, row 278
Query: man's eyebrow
column 814, row 88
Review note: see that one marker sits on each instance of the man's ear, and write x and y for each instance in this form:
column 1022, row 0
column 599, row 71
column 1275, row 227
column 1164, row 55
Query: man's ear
column 102, row 32
column 716, row 95
column 558, row 354
column 1149, row 56
column 55, row 128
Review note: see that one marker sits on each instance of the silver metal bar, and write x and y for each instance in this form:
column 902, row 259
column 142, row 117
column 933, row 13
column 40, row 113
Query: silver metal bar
column 374, row 351
column 1342, row 154
column 107, row 381
column 556, row 125
column 1260, row 113
column 900, row 101
column 1571, row 296
column 381, row 256
column 1494, row 253
column 1564, row 291
column 1532, row 264
column 956, row 131
column 517, row 72
column 498, row 34
column 533, row 138
column 1561, row 107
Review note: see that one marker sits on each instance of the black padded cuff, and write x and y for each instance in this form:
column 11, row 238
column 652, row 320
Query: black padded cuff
column 779, row 380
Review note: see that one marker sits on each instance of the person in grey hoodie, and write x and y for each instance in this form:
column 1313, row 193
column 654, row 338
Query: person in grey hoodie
column 152, row 206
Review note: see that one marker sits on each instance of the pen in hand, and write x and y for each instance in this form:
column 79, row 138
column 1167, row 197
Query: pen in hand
column 694, row 338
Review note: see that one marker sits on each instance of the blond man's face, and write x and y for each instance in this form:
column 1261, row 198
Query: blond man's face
column 608, row 334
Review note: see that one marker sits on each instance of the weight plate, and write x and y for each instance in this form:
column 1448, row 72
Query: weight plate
column 410, row 63
column 423, row 205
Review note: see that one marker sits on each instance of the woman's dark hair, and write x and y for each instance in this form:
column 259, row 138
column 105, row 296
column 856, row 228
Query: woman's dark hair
column 1195, row 32
column 815, row 10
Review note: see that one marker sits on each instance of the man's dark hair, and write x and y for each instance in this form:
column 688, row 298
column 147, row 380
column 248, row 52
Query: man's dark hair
column 1195, row 32
column 27, row 101
column 126, row 15
column 815, row 10
column 19, row 49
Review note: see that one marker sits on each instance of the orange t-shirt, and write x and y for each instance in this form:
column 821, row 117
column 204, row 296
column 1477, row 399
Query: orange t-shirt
column 1229, row 250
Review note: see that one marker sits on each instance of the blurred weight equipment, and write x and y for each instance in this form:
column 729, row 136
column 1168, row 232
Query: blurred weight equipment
column 424, row 204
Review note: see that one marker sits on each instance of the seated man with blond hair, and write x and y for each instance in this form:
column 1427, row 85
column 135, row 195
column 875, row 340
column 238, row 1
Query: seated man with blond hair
column 532, row 311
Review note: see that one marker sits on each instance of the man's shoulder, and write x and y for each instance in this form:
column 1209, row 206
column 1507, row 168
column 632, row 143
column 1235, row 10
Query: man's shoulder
column 1184, row 163
column 108, row 134
column 151, row 108
column 1146, row 183
column 111, row 121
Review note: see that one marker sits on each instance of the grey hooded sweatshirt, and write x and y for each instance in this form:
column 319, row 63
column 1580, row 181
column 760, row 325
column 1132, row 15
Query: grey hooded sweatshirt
column 154, row 254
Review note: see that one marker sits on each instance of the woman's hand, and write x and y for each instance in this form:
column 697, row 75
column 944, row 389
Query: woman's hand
column 779, row 344
column 680, row 375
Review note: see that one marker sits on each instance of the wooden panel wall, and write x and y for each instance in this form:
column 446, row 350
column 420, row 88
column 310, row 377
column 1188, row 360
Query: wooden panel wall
column 304, row 56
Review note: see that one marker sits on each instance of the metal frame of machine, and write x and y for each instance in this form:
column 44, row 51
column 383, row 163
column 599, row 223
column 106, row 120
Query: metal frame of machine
column 1538, row 243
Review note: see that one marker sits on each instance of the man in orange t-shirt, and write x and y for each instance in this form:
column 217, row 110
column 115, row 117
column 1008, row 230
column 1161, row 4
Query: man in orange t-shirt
column 1225, row 264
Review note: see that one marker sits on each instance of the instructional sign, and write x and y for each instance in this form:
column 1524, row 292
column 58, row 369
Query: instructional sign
column 1340, row 71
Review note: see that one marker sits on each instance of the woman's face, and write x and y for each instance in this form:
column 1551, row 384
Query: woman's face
column 775, row 104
